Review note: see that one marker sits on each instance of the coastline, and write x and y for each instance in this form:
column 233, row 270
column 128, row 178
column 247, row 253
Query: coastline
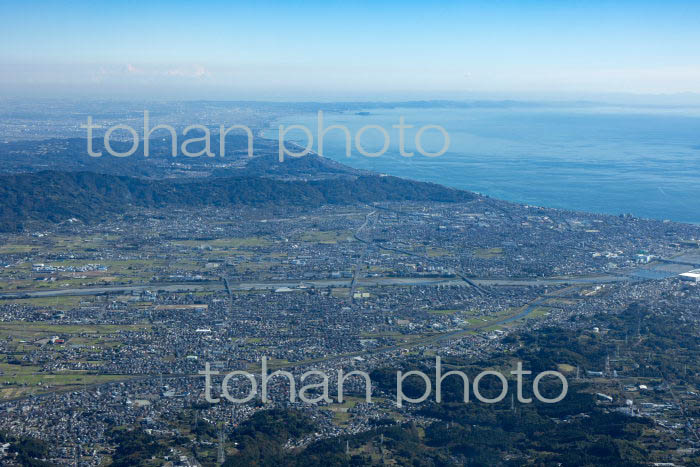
column 589, row 188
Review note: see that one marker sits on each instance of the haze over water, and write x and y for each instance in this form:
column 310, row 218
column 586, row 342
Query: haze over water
column 639, row 160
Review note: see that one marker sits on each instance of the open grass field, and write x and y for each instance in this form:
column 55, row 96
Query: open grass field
column 488, row 253
column 227, row 243
column 341, row 416
column 17, row 248
column 64, row 302
column 434, row 252
column 22, row 337
column 328, row 236
column 538, row 312
column 19, row 381
column 443, row 312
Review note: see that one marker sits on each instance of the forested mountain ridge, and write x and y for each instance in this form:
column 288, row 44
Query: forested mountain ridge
column 56, row 196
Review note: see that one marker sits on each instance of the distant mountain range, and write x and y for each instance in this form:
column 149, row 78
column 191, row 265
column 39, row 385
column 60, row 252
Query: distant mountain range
column 70, row 154
column 52, row 196
column 55, row 180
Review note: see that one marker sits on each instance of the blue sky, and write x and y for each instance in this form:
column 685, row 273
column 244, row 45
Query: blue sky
column 349, row 49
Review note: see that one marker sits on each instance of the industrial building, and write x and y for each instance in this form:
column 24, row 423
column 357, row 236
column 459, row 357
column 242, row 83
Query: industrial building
column 692, row 276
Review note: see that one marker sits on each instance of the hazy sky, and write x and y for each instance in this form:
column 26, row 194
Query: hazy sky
column 343, row 49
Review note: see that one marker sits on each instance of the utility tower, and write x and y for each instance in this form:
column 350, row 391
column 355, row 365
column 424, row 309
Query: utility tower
column 221, row 457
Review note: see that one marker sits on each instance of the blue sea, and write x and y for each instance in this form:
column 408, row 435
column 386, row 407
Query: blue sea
column 606, row 159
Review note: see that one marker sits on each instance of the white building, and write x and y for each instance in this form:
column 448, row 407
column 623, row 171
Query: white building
column 692, row 276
